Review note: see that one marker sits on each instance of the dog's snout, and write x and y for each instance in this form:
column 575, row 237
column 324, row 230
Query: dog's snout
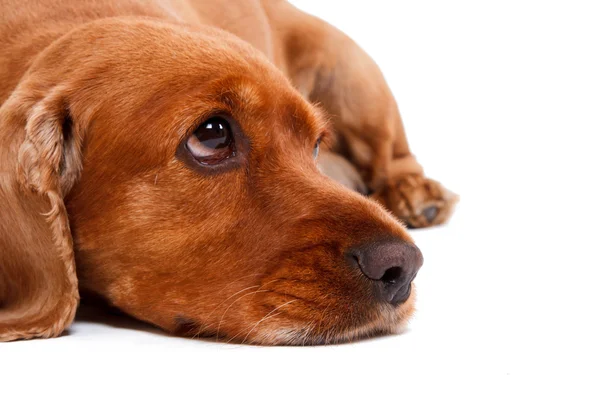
column 391, row 265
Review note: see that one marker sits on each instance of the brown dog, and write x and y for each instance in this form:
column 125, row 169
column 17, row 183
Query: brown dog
column 158, row 161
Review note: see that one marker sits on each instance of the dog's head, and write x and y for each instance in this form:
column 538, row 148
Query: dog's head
column 184, row 165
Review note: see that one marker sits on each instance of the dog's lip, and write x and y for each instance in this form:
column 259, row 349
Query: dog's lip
column 382, row 320
column 371, row 329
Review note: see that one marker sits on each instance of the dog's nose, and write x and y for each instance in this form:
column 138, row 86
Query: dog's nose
column 391, row 265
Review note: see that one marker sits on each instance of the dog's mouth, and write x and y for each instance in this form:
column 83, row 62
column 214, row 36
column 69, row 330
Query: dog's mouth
column 387, row 322
column 294, row 321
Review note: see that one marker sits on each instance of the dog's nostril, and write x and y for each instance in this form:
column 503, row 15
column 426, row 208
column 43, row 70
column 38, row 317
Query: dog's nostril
column 392, row 275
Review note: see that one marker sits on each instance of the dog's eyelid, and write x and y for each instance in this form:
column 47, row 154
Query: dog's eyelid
column 326, row 139
column 204, row 117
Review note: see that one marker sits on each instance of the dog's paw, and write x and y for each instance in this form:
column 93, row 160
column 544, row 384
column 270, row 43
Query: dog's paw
column 418, row 201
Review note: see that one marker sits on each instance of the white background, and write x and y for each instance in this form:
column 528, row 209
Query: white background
column 501, row 101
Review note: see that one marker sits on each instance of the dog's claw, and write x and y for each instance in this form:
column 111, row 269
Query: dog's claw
column 430, row 213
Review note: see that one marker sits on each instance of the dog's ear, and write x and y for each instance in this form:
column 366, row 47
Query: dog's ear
column 40, row 160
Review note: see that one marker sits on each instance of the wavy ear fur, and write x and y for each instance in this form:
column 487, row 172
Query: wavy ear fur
column 40, row 160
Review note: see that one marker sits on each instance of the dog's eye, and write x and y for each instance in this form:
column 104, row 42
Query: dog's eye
column 212, row 142
column 316, row 149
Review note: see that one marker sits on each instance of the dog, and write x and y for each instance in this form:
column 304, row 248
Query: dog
column 163, row 155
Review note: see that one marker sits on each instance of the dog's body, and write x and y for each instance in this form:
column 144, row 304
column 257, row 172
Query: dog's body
column 99, row 101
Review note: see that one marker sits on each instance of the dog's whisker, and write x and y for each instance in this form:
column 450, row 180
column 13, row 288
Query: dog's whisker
column 246, row 337
column 239, row 279
column 228, row 308
column 267, row 317
column 241, row 297
column 236, row 293
column 308, row 330
column 324, row 313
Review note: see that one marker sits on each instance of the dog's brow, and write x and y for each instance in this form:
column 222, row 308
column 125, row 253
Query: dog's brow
column 239, row 96
column 322, row 120
column 308, row 118
column 299, row 115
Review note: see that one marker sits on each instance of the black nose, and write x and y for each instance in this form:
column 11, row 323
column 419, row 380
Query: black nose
column 391, row 265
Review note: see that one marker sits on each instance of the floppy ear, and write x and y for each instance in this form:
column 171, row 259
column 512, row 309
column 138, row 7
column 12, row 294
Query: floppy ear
column 40, row 160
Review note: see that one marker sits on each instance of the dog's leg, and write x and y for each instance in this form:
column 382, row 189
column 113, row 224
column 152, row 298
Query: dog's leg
column 339, row 169
column 333, row 71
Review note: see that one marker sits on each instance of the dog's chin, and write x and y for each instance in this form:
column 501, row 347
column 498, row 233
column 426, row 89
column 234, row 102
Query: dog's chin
column 327, row 329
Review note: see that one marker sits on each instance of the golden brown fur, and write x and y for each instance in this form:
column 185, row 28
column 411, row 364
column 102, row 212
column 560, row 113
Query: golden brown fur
column 95, row 97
